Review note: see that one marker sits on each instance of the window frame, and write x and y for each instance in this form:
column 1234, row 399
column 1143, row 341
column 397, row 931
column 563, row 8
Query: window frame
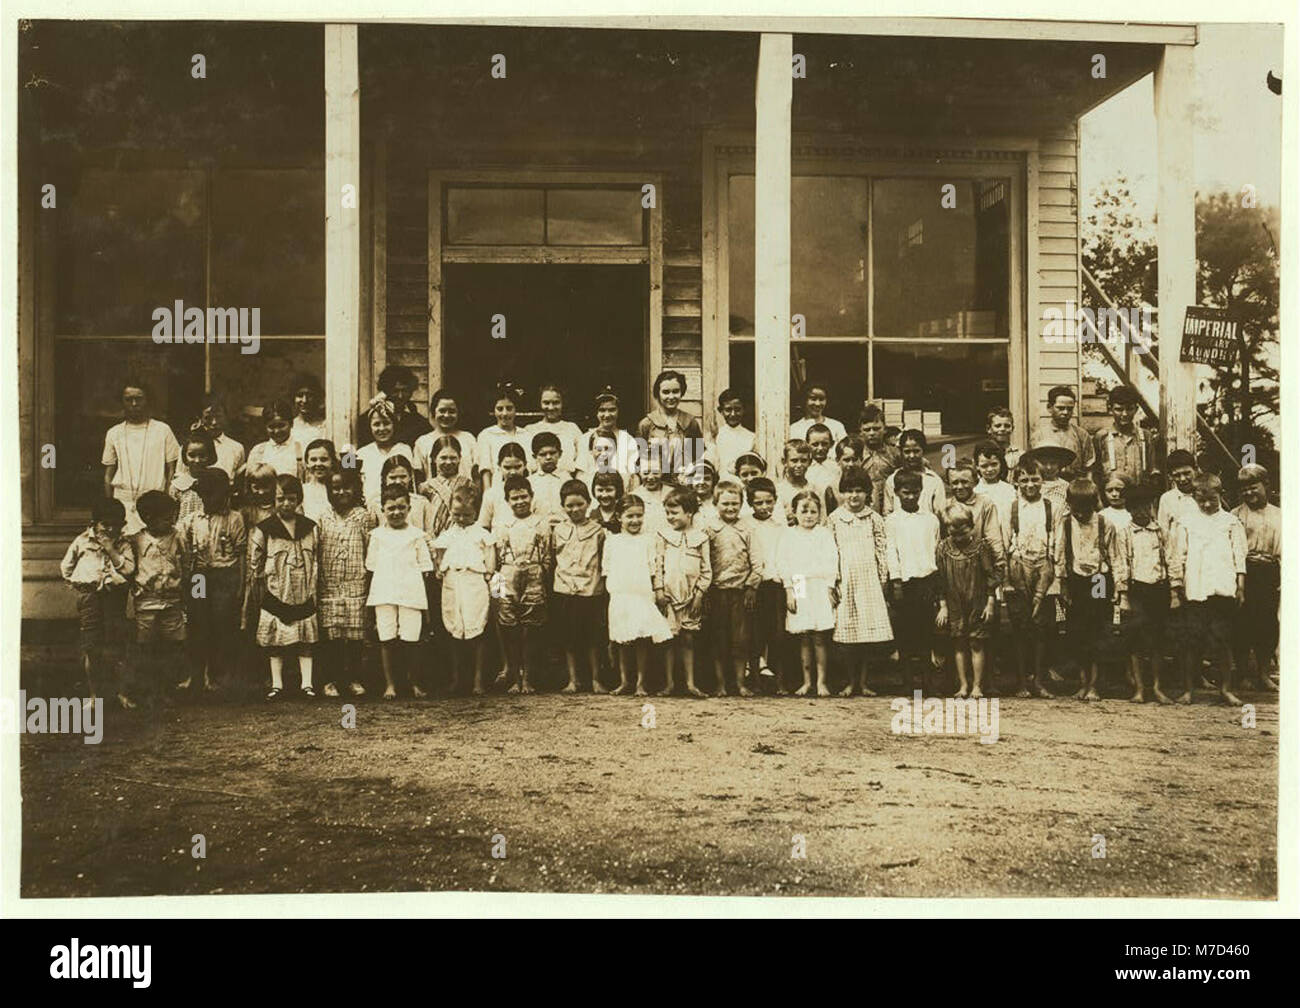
column 728, row 154
column 47, row 509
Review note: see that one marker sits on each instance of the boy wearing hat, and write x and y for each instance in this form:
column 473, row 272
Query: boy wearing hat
column 1052, row 460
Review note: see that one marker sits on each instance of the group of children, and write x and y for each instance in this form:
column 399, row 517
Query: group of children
column 547, row 539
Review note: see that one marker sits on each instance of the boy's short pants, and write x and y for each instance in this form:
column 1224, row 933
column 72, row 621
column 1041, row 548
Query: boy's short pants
column 1146, row 622
column 513, row 613
column 579, row 620
column 1207, row 626
column 729, row 623
column 101, row 617
column 159, row 625
column 393, row 622
column 1026, row 579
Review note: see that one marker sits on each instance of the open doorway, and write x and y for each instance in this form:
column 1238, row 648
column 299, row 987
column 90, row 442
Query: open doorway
column 579, row 327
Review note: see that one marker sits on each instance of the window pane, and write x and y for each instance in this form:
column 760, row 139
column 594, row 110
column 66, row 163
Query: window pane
column 268, row 247
column 495, row 216
column 88, row 377
column 593, row 217
column 247, row 381
column 828, row 254
column 841, row 367
column 962, row 383
column 940, row 272
column 128, row 242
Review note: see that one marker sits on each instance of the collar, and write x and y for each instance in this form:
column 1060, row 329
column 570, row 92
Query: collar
column 660, row 419
column 848, row 517
column 274, row 528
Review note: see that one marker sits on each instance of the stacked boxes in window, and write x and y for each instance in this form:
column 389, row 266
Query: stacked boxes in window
column 976, row 324
column 893, row 412
column 931, row 424
column 912, row 419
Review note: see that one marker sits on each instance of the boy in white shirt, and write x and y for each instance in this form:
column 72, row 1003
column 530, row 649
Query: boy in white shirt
column 769, row 613
column 913, row 537
column 1177, row 501
column 1207, row 575
column 733, row 439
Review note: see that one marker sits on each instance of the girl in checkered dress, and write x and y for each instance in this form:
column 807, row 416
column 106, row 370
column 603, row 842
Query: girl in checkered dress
column 345, row 533
column 862, row 628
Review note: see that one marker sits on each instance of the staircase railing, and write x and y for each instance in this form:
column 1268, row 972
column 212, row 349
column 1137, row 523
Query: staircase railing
column 1144, row 356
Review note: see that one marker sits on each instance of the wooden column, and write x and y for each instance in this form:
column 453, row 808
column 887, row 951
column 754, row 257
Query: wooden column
column 772, row 244
column 342, row 230
column 1175, row 83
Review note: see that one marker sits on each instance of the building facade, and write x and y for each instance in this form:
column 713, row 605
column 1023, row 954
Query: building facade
column 889, row 208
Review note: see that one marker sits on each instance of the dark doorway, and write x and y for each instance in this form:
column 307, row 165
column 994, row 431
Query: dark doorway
column 579, row 327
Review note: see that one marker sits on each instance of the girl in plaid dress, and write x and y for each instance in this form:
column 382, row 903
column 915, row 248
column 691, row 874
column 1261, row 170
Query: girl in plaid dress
column 862, row 628
column 283, row 556
column 344, row 535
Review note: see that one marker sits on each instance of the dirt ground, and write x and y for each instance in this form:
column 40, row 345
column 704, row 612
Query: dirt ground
column 708, row 801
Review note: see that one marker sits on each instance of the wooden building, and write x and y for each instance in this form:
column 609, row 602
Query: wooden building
column 623, row 199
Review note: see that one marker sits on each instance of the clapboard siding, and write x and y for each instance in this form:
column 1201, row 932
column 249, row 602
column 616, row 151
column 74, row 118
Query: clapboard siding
column 1056, row 262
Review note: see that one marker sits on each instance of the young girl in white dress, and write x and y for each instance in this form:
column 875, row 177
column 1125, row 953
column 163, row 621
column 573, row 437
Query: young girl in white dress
column 382, row 417
column 808, row 564
column 634, row 620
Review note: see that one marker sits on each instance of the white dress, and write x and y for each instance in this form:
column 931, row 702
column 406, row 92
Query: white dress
column 626, row 564
column 807, row 562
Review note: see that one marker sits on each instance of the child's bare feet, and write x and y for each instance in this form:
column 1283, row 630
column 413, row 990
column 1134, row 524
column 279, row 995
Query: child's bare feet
column 1042, row 692
column 868, row 691
column 722, row 690
column 1080, row 694
column 501, row 678
column 513, row 689
column 330, row 690
column 847, row 691
column 1137, row 698
column 961, row 693
column 570, row 689
column 695, row 691
column 1092, row 694
column 390, row 693
column 803, row 690
column 823, row 690
column 1229, row 698
column 1186, row 698
column 1160, row 697
column 356, row 689
column 1023, row 693
column 477, row 690
column 597, row 688
column 526, row 688
column 745, row 691
column 640, row 691
column 418, row 693
column 620, row 690
column 184, row 683
column 782, row 691
column 976, row 693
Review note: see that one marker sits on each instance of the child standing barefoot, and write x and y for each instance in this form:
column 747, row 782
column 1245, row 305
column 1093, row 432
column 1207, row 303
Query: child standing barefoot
column 862, row 627
column 737, row 569
column 809, row 567
column 344, row 534
column 967, row 577
column 465, row 560
column 523, row 545
column 682, row 575
column 913, row 538
column 1030, row 577
column 1257, row 623
column 1142, row 588
column 1084, row 545
column 633, row 619
column 769, row 614
column 159, row 574
column 578, row 599
column 98, row 565
column 283, row 555
column 398, row 559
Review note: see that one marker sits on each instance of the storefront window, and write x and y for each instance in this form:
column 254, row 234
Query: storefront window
column 927, row 308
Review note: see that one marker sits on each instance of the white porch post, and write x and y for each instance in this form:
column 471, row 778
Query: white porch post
column 1175, row 83
column 772, row 244
column 342, row 230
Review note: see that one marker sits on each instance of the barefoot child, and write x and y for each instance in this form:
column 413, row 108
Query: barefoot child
column 863, row 632
column 1177, row 502
column 397, row 558
column 1084, row 546
column 98, row 566
column 344, row 537
column 634, row 621
column 769, row 612
column 257, row 503
column 523, row 548
column 682, row 575
column 912, row 533
column 993, row 484
column 968, row 575
column 448, row 476
column 466, row 559
column 283, row 556
column 214, row 544
column 1257, row 623
column 159, row 572
column 399, row 471
column 1000, row 426
column 1030, row 578
column 737, row 570
column 1207, row 575
column 579, row 598
column 1142, row 588
column 849, row 454
column 809, row 567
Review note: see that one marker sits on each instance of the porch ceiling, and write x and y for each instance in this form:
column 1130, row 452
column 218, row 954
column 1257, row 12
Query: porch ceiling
column 435, row 82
